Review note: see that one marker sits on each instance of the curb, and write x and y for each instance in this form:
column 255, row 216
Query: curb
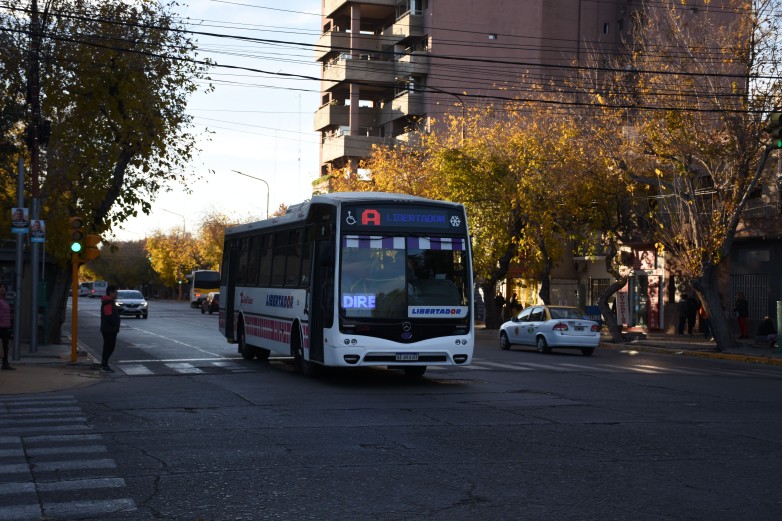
column 735, row 357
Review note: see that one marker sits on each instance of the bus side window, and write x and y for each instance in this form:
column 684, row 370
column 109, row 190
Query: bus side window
column 265, row 268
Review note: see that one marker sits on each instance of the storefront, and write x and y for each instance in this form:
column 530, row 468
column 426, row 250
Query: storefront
column 640, row 302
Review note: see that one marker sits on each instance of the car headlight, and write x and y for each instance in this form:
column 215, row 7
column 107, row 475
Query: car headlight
column 143, row 305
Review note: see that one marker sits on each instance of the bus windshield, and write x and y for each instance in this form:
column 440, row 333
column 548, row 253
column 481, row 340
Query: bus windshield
column 393, row 277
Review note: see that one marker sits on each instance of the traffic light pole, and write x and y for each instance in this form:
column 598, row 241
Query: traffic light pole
column 74, row 305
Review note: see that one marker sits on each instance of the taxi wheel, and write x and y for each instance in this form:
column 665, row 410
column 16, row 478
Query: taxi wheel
column 542, row 345
column 504, row 341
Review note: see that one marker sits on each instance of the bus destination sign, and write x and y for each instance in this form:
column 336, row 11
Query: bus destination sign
column 402, row 217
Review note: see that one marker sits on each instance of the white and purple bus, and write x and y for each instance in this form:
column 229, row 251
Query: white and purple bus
column 352, row 279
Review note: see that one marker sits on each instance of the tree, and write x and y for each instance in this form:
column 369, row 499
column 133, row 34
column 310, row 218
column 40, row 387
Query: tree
column 172, row 256
column 115, row 79
column 706, row 79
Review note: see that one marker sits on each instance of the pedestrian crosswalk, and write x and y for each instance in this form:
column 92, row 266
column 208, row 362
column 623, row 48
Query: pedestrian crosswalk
column 41, row 475
column 590, row 366
column 587, row 365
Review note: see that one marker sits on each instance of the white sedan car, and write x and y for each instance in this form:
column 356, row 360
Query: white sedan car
column 547, row 327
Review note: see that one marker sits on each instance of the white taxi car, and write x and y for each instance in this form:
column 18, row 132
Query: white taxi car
column 547, row 327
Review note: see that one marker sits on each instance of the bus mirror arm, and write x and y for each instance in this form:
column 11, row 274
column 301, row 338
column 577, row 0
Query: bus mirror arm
column 306, row 304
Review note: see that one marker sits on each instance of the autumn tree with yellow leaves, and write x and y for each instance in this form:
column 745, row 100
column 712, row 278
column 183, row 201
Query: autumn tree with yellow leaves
column 696, row 88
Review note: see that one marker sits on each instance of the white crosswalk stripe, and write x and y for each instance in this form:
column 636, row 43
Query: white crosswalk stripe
column 479, row 364
column 38, row 470
column 230, row 365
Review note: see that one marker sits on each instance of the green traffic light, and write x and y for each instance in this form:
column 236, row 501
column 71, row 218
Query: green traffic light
column 75, row 247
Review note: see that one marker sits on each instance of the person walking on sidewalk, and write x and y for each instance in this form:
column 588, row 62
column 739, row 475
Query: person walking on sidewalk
column 741, row 310
column 109, row 326
column 5, row 326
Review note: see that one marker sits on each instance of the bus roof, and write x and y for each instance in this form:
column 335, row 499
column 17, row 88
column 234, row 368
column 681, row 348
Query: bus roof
column 298, row 212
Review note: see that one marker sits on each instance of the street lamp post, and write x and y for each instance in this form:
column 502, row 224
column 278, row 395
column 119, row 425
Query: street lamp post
column 458, row 97
column 261, row 180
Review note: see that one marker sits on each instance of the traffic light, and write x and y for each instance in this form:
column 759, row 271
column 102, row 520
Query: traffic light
column 76, row 228
column 91, row 251
column 774, row 128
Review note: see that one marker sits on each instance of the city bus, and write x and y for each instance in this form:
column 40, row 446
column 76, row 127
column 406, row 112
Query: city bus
column 202, row 282
column 352, row 279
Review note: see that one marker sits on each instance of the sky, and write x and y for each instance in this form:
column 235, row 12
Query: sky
column 261, row 124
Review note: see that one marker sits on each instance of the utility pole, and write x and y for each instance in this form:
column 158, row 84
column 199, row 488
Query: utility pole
column 33, row 134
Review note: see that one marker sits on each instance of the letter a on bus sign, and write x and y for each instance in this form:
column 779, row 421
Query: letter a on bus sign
column 370, row 217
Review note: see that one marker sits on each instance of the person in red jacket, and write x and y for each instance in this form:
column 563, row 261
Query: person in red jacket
column 5, row 326
column 109, row 326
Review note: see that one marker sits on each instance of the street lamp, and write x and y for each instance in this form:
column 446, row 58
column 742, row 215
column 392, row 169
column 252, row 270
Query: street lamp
column 184, row 231
column 261, row 180
column 458, row 97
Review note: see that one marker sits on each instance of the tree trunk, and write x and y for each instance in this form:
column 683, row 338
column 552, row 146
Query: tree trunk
column 57, row 306
column 610, row 316
column 708, row 292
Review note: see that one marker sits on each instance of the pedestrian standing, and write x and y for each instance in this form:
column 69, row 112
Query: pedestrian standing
column 681, row 309
column 499, row 304
column 767, row 332
column 514, row 304
column 741, row 310
column 705, row 323
column 5, row 326
column 692, row 312
column 109, row 326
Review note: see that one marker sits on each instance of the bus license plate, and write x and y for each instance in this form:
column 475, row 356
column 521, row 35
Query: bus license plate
column 407, row 357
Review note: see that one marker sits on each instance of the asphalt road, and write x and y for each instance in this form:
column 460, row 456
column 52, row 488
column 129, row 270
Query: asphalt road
column 186, row 430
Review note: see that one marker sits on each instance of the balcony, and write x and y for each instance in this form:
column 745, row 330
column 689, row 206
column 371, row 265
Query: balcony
column 331, row 6
column 405, row 104
column 339, row 116
column 329, row 115
column 407, row 26
column 341, row 145
column 332, row 40
column 414, row 63
column 363, row 69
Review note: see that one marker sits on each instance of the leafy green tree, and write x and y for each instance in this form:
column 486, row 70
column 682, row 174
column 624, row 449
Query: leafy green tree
column 115, row 80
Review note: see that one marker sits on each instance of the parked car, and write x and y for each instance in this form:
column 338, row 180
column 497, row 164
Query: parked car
column 548, row 327
column 211, row 303
column 131, row 303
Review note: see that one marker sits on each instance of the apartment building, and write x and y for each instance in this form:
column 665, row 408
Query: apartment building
column 390, row 67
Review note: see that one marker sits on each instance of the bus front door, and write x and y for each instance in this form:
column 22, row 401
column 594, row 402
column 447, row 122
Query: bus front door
column 321, row 312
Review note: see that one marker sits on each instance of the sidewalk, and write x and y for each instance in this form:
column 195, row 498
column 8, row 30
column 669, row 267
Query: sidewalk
column 685, row 345
column 49, row 369
column 682, row 345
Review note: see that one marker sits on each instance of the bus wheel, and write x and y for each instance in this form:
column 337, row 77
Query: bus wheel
column 414, row 371
column 244, row 350
column 262, row 354
column 303, row 366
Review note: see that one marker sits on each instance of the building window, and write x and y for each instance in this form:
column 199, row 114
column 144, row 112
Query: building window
column 605, row 28
column 492, row 37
